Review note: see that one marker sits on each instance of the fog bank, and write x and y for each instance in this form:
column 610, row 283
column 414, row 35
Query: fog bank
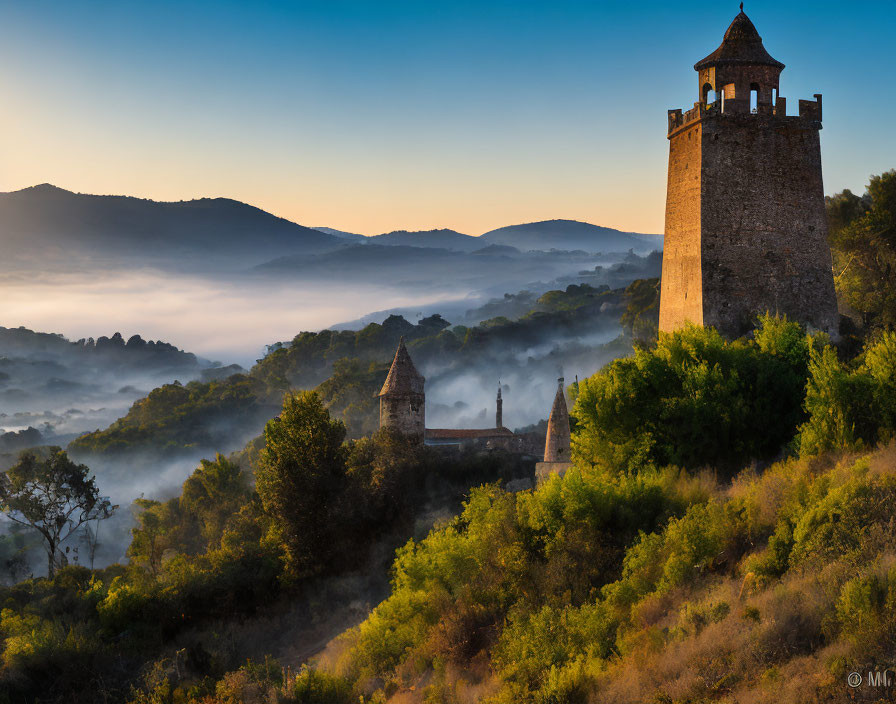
column 222, row 319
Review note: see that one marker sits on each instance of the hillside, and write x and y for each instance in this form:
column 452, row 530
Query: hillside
column 444, row 239
column 60, row 388
column 351, row 236
column 56, row 224
column 348, row 367
column 434, row 270
column 568, row 235
column 571, row 235
column 626, row 581
column 638, row 577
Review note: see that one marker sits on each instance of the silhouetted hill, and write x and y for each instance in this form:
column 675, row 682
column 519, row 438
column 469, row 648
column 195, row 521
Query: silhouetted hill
column 439, row 239
column 51, row 223
column 443, row 239
column 341, row 234
column 570, row 235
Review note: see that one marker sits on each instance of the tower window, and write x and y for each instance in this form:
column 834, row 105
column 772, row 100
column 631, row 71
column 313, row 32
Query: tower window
column 754, row 98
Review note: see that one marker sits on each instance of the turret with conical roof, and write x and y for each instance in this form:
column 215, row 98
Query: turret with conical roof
column 740, row 65
column 557, row 442
column 402, row 399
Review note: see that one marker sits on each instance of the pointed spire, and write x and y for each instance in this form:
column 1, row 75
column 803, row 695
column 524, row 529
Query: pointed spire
column 403, row 376
column 499, row 406
column 557, row 443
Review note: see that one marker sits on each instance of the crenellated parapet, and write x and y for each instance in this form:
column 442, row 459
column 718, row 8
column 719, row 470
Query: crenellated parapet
column 810, row 114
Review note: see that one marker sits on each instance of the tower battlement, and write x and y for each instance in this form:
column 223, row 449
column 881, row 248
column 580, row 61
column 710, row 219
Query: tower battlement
column 809, row 115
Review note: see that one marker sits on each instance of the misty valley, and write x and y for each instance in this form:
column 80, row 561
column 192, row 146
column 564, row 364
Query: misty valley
column 143, row 413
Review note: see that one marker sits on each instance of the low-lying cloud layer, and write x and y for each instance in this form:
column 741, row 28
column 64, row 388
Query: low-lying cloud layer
column 223, row 319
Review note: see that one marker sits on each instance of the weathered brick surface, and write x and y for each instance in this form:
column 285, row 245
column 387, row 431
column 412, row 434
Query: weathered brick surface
column 745, row 220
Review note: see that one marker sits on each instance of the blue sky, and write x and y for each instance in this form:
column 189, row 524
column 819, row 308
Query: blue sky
column 373, row 116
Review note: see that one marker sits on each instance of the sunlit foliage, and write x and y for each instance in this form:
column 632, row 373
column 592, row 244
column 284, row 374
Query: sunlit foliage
column 863, row 240
column 696, row 400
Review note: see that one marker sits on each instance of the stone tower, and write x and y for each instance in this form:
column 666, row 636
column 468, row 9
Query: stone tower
column 499, row 412
column 745, row 218
column 402, row 401
column 557, row 440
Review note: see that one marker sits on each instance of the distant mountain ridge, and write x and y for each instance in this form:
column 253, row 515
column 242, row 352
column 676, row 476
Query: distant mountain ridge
column 441, row 239
column 49, row 226
column 568, row 235
column 48, row 220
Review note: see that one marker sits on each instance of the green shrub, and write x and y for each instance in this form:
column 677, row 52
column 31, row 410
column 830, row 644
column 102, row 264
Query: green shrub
column 853, row 405
column 695, row 400
column 866, row 610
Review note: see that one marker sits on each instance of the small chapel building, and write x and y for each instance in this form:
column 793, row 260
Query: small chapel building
column 403, row 406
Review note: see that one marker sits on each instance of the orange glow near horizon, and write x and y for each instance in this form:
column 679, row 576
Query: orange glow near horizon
column 366, row 200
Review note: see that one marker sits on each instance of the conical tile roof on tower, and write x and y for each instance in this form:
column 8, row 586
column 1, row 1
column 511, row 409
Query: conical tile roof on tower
column 403, row 375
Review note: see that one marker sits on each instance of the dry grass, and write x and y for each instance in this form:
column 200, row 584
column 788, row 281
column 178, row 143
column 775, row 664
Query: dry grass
column 765, row 636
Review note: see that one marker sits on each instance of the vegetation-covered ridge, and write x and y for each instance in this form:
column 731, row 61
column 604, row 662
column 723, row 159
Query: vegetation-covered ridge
column 348, row 367
column 630, row 580
column 22, row 341
column 295, row 530
column 704, row 587
column 770, row 589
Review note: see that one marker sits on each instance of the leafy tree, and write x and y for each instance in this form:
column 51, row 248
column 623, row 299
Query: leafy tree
column 212, row 494
column 863, row 240
column 54, row 496
column 159, row 530
column 192, row 523
column 383, row 473
column 350, row 394
column 641, row 316
column 300, row 472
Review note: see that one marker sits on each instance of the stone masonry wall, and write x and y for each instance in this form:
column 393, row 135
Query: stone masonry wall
column 404, row 412
column 763, row 228
column 682, row 283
